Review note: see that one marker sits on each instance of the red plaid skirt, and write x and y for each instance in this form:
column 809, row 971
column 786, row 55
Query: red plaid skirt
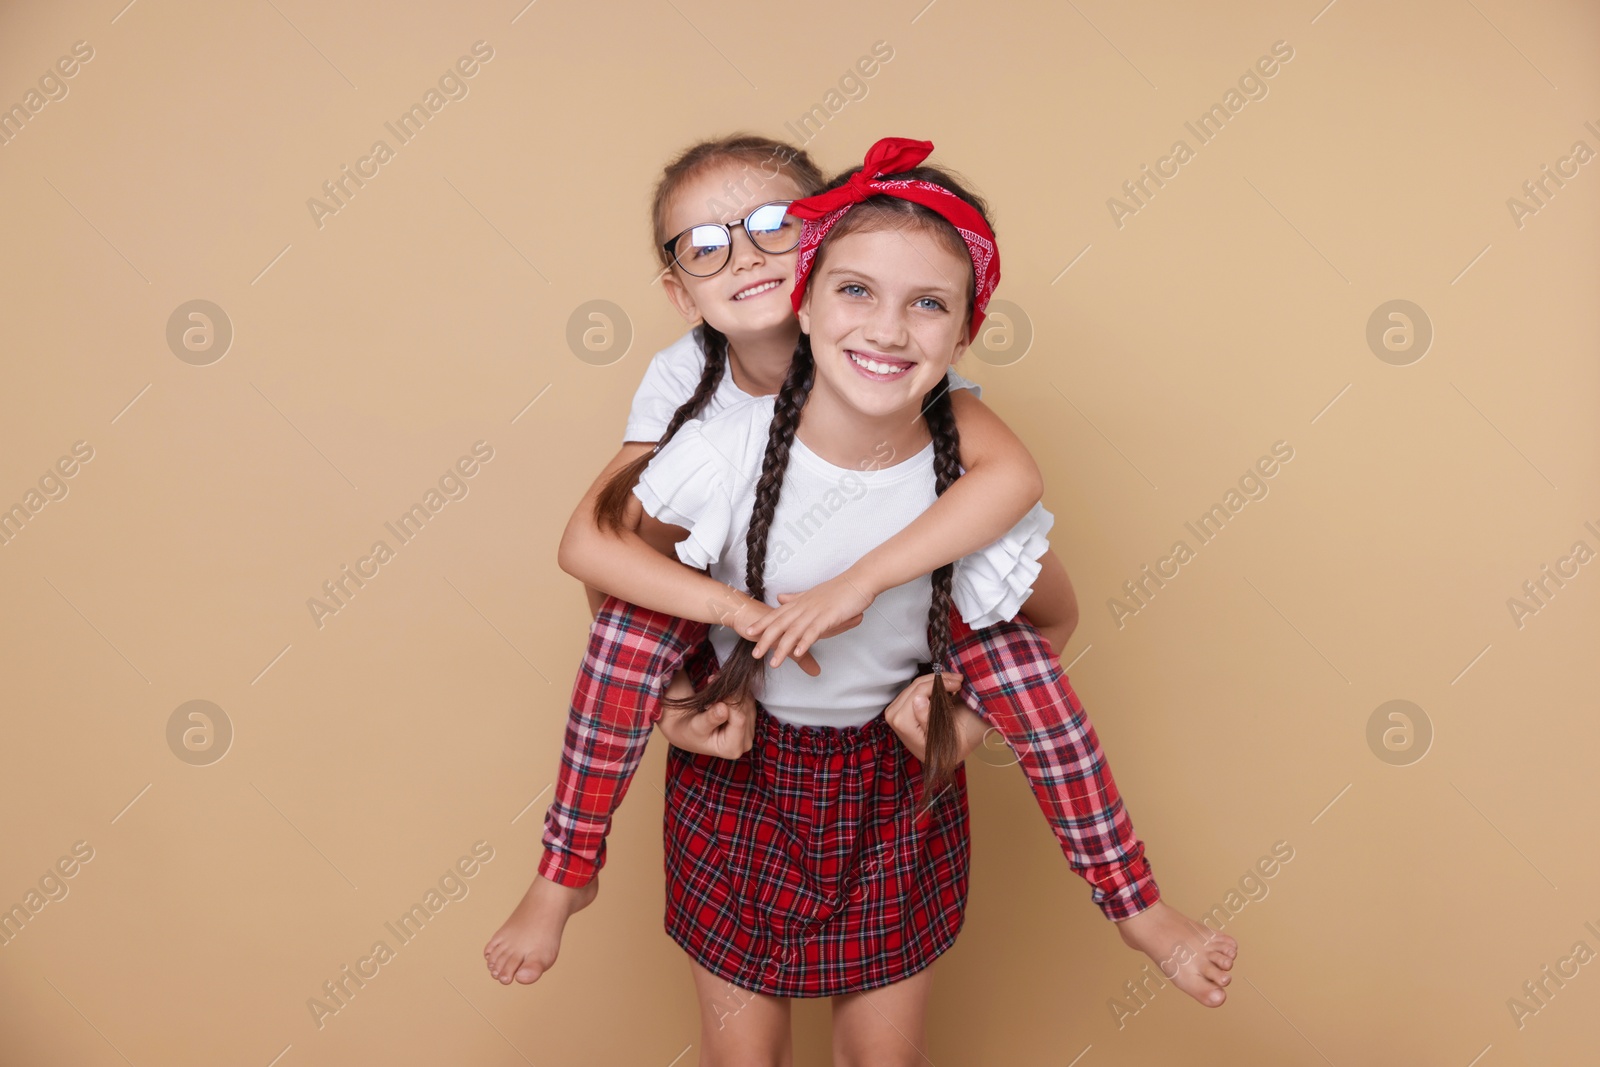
column 804, row 868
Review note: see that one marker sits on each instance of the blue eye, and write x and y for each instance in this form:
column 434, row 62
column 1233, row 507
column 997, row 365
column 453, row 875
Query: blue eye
column 936, row 305
column 852, row 285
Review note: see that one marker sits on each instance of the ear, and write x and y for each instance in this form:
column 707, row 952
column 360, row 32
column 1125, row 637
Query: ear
column 804, row 312
column 679, row 296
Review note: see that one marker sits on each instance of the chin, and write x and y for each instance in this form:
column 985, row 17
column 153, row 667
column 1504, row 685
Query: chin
column 747, row 324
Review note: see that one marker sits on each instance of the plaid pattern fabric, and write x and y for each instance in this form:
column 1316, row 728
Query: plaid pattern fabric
column 633, row 654
column 804, row 868
column 1011, row 679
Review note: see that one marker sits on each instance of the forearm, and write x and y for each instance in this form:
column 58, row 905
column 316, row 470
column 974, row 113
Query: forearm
column 1000, row 484
column 1052, row 606
column 590, row 552
column 627, row 567
column 976, row 511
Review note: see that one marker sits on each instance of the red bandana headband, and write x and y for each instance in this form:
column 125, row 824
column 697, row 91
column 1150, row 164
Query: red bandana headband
column 895, row 155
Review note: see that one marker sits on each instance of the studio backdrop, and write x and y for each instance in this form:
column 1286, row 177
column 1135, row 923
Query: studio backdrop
column 319, row 320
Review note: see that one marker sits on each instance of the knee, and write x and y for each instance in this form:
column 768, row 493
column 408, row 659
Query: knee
column 619, row 614
column 1001, row 654
column 711, row 1057
column 716, row 1051
column 852, row 1050
column 640, row 631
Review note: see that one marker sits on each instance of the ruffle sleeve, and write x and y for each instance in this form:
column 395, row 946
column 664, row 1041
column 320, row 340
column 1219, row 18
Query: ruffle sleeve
column 990, row 584
column 958, row 382
column 685, row 485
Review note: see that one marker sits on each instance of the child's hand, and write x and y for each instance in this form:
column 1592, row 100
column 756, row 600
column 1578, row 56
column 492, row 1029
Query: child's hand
column 802, row 619
column 748, row 619
column 722, row 730
column 908, row 717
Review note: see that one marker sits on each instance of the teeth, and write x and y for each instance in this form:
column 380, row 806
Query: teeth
column 875, row 367
column 757, row 290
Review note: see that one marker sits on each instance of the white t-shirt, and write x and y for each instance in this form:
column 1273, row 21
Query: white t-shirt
column 674, row 374
column 826, row 519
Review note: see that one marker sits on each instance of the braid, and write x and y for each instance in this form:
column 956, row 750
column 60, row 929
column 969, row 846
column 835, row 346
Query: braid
column 939, row 752
column 612, row 502
column 780, row 438
column 738, row 675
column 714, row 343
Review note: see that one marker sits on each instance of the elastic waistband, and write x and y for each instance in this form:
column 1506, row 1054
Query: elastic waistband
column 791, row 737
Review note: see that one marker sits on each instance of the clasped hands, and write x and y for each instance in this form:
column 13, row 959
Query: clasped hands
column 727, row 729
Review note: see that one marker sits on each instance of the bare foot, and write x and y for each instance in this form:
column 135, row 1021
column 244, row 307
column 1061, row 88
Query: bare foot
column 1194, row 958
column 527, row 945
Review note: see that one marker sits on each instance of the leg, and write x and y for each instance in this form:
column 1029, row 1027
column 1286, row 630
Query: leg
column 1020, row 688
column 739, row 1028
column 1014, row 681
column 616, row 699
column 883, row 1027
column 633, row 653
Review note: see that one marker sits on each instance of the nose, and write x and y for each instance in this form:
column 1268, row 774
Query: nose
column 743, row 251
column 886, row 326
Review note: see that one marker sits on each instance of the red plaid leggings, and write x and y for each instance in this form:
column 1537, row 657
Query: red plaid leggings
column 1011, row 678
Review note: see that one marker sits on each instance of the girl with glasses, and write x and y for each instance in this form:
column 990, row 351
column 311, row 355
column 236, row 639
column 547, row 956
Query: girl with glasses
column 989, row 560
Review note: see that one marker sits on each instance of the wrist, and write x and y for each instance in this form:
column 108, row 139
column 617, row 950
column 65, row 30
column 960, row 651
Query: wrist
column 726, row 606
column 746, row 610
column 865, row 575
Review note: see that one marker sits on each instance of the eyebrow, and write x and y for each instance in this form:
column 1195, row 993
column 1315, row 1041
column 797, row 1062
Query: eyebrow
column 831, row 272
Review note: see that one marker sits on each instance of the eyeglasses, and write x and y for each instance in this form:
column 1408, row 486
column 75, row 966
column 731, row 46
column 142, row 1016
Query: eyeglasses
column 705, row 249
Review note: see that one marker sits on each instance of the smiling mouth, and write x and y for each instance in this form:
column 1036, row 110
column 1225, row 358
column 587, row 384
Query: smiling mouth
column 879, row 369
column 757, row 289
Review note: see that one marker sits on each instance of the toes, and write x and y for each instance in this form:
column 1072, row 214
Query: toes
column 510, row 963
column 1222, row 959
column 1206, row 987
column 529, row 973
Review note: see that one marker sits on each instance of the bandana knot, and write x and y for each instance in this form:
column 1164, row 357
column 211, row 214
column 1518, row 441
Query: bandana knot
column 895, row 155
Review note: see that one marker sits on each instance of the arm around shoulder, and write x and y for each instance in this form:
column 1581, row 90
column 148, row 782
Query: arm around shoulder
column 583, row 535
column 1000, row 485
column 639, row 562
column 987, row 443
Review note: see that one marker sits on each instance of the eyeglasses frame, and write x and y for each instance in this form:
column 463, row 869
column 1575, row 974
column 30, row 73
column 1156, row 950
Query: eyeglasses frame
column 726, row 227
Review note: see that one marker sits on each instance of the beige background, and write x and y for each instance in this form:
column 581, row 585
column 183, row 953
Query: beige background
column 369, row 754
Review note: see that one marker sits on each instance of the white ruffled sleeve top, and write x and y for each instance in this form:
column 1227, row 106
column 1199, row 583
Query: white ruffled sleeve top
column 826, row 519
